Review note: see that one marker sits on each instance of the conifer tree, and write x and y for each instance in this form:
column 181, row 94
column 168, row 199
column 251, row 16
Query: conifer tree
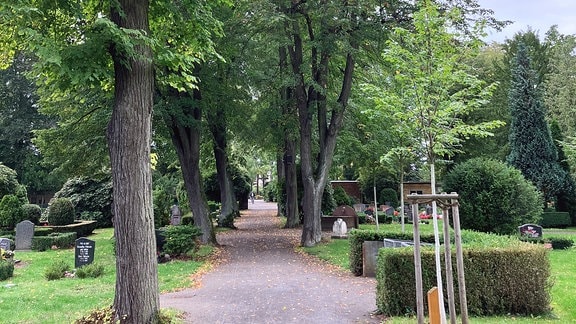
column 532, row 149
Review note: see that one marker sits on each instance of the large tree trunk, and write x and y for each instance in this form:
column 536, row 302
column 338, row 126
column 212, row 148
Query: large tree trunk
column 229, row 208
column 186, row 139
column 315, row 175
column 136, row 298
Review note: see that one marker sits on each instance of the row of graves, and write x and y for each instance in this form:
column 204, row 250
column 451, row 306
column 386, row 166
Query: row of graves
column 83, row 252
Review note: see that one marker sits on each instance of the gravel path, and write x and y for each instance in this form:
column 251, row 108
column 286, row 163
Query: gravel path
column 261, row 279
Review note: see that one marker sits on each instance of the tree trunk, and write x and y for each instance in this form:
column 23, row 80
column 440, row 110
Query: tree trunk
column 136, row 298
column 186, row 140
column 291, row 183
column 229, row 208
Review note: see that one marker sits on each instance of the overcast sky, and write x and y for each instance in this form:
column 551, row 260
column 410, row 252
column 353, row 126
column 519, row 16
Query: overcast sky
column 540, row 15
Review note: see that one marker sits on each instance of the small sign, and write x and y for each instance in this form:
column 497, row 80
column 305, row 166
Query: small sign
column 84, row 252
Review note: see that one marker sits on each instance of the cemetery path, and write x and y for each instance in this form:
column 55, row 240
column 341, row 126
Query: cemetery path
column 262, row 279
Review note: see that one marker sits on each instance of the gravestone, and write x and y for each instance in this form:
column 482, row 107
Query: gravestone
column 530, row 230
column 5, row 244
column 24, row 235
column 359, row 208
column 339, row 229
column 175, row 215
column 346, row 213
column 369, row 256
column 84, row 252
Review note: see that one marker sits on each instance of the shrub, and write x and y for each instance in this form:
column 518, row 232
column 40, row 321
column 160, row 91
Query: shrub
column 32, row 212
column 555, row 219
column 561, row 243
column 180, row 239
column 341, row 197
column 90, row 196
column 57, row 270
column 328, row 202
column 389, row 195
column 60, row 240
column 6, row 269
column 92, row 270
column 11, row 212
column 61, row 212
column 8, row 181
column 493, row 196
column 187, row 220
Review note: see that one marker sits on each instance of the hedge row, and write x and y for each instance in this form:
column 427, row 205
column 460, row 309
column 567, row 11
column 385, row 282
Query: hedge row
column 555, row 219
column 81, row 228
column 60, row 240
column 499, row 281
column 357, row 237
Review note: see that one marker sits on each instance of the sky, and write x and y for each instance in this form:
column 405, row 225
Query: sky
column 540, row 15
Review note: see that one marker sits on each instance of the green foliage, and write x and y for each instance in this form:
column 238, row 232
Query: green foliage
column 92, row 198
column 9, row 184
column 500, row 280
column 61, row 212
column 493, row 197
column 341, row 197
column 270, row 191
column 32, row 212
column 11, row 212
column 532, row 150
column 59, row 240
column 555, row 219
column 328, row 202
column 187, row 220
column 559, row 243
column 6, row 269
column 389, row 195
column 57, row 270
column 92, row 270
column 180, row 239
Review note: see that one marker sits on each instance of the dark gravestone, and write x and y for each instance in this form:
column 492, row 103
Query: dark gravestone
column 24, row 235
column 530, row 230
column 84, row 252
column 369, row 257
column 5, row 244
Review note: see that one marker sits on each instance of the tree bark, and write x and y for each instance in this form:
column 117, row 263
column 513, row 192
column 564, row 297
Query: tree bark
column 136, row 298
column 186, row 140
column 229, row 208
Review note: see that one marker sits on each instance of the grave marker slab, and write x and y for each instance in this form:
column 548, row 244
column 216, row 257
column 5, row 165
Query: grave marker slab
column 5, row 244
column 84, row 252
column 530, row 230
column 24, row 235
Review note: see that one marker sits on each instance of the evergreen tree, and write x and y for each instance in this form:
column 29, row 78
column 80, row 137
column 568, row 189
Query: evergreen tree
column 532, row 149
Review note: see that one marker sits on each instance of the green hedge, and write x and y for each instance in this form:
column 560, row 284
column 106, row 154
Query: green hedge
column 6, row 269
column 506, row 280
column 357, row 237
column 60, row 240
column 555, row 219
column 81, row 228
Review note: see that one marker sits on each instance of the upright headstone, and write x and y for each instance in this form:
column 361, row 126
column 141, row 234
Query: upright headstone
column 530, row 230
column 369, row 256
column 339, row 229
column 5, row 244
column 24, row 235
column 175, row 215
column 84, row 252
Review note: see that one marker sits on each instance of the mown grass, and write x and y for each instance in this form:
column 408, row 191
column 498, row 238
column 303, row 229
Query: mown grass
column 28, row 297
column 562, row 262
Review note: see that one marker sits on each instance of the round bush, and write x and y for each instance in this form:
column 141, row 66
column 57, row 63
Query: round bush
column 341, row 197
column 92, row 198
column 11, row 212
column 32, row 212
column 494, row 197
column 389, row 195
column 61, row 212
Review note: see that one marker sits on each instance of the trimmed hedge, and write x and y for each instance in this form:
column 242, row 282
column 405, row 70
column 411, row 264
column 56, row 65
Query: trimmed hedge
column 559, row 243
column 356, row 237
column 499, row 281
column 555, row 219
column 81, row 228
column 60, row 240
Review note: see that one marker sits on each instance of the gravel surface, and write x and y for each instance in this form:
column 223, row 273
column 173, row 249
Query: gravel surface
column 261, row 279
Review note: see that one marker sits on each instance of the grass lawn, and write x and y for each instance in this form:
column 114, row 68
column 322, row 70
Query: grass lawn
column 562, row 262
column 28, row 297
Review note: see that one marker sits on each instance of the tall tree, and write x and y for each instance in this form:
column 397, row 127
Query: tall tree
column 532, row 149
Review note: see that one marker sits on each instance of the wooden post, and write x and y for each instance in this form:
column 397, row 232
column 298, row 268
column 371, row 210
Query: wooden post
column 460, row 262
column 433, row 306
column 448, row 264
column 418, row 265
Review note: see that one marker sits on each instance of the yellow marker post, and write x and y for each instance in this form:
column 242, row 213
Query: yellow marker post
column 433, row 306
